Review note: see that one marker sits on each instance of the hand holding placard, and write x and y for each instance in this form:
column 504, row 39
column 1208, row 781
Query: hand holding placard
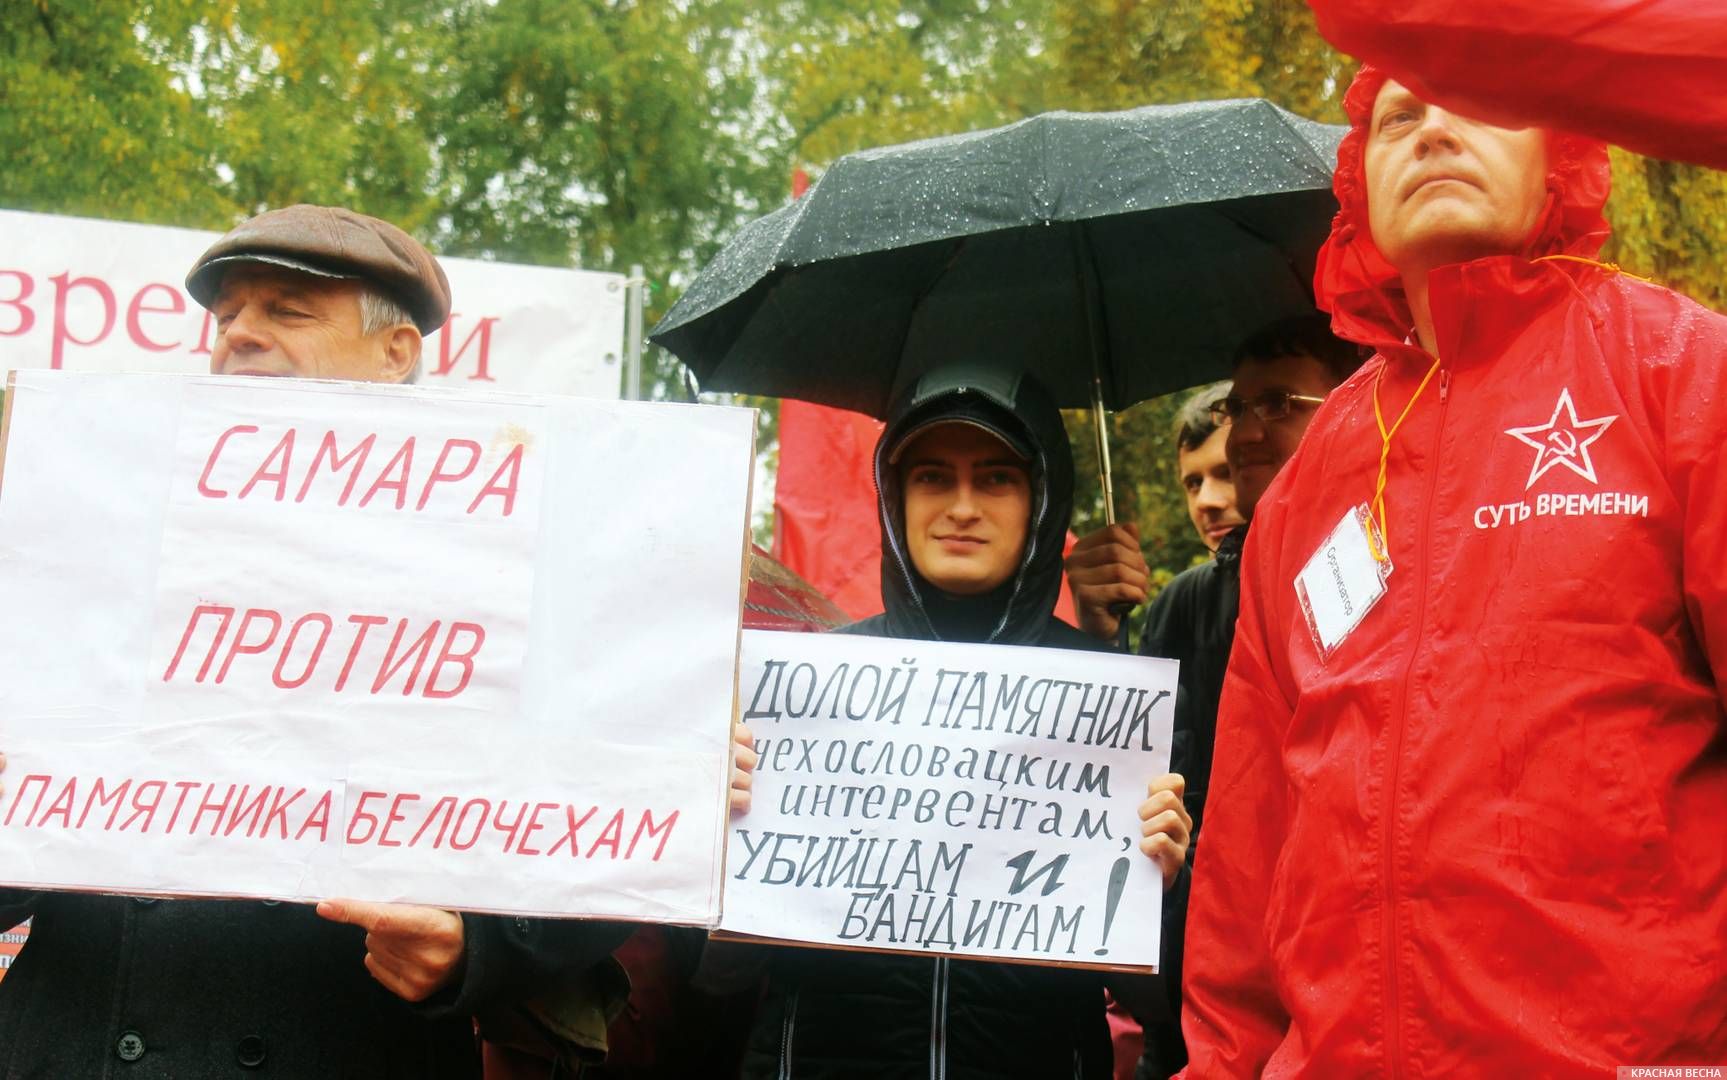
column 744, row 759
column 1166, row 826
column 413, row 951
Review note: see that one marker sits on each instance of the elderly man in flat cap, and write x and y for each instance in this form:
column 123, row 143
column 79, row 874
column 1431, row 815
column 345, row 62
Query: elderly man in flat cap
column 114, row 986
column 321, row 293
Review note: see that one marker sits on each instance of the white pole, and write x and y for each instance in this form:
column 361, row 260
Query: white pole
column 633, row 302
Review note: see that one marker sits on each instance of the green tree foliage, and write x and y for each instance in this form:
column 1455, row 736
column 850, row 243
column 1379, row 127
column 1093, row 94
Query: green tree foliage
column 321, row 101
column 545, row 131
column 94, row 122
column 199, row 114
column 1117, row 54
column 851, row 74
column 1669, row 223
column 601, row 132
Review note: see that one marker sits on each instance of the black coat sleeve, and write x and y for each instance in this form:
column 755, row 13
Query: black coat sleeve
column 1170, row 632
column 510, row 957
column 16, row 905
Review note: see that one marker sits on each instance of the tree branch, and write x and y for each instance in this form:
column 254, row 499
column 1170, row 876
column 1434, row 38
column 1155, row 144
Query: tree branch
column 47, row 23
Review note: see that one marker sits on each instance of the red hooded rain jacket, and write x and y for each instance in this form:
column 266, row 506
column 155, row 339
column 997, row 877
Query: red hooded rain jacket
column 1650, row 75
column 1486, row 836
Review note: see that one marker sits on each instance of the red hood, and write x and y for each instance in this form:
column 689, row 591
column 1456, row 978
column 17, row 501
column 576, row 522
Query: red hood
column 1362, row 291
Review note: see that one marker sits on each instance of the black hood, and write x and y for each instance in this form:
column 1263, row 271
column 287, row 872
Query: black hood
column 1016, row 408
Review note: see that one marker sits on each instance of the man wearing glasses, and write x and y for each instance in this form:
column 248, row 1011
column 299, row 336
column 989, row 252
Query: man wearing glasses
column 1282, row 374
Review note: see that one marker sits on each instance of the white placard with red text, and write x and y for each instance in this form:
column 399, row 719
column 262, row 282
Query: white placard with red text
column 943, row 798
column 78, row 294
column 298, row 640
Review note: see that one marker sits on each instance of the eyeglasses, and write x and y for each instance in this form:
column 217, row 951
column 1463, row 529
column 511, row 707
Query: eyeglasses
column 1269, row 406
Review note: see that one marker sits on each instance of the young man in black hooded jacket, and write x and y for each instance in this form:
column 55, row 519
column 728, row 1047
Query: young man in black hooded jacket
column 975, row 485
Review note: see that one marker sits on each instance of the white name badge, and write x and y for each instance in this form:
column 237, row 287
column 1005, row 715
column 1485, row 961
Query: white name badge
column 1342, row 581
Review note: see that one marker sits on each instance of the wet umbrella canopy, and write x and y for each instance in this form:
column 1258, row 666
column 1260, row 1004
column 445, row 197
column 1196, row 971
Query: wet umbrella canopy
column 1136, row 249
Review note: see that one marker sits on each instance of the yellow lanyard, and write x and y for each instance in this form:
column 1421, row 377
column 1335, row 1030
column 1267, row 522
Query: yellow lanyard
column 1380, row 548
column 1613, row 267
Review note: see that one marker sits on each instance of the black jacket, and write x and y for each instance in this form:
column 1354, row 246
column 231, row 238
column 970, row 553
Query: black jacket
column 140, row 989
column 829, row 1014
column 1193, row 621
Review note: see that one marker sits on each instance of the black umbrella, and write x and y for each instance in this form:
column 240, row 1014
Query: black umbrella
column 1117, row 256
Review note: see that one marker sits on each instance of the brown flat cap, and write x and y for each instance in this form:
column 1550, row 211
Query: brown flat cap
column 332, row 242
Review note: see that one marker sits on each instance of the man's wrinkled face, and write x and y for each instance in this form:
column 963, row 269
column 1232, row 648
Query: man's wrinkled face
column 1257, row 448
column 1205, row 480
column 1442, row 188
column 276, row 321
column 967, row 508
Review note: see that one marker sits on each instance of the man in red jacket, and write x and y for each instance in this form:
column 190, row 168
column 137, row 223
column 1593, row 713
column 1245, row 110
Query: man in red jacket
column 1471, row 765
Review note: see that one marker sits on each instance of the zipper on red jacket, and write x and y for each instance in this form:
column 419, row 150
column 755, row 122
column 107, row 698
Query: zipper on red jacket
column 1388, row 811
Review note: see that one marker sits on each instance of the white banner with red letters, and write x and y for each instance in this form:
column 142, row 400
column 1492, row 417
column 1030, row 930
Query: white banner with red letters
column 77, row 294
column 298, row 640
column 943, row 798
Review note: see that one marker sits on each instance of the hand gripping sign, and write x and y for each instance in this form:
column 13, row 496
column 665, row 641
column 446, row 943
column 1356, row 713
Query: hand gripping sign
column 941, row 798
column 290, row 639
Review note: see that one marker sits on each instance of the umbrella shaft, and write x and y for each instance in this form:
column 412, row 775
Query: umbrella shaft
column 1100, row 425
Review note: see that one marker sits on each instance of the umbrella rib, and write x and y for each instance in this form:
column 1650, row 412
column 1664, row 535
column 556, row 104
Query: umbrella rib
column 1287, row 119
column 1096, row 319
column 800, row 206
column 1305, row 281
column 959, row 245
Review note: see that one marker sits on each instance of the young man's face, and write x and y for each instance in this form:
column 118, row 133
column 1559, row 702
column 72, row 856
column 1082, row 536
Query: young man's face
column 967, row 508
column 1205, row 480
column 1442, row 188
column 277, row 321
column 1258, row 448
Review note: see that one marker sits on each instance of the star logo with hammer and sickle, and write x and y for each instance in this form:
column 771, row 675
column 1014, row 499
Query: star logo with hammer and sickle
column 1563, row 440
